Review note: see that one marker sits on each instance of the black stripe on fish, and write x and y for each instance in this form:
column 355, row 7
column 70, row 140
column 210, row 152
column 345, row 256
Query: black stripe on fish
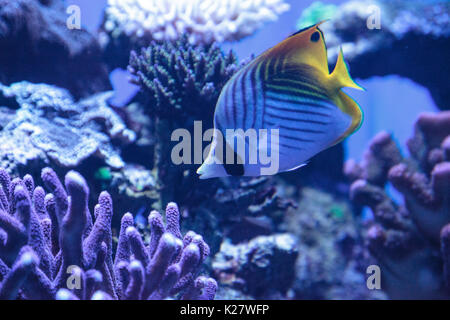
column 233, row 169
column 263, row 67
column 298, row 120
column 254, row 94
column 294, row 93
column 300, row 103
column 297, row 84
column 244, row 97
column 297, row 111
column 294, row 129
column 233, row 101
column 271, row 68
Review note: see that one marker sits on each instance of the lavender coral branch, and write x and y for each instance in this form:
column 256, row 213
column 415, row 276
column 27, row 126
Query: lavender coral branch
column 52, row 247
column 405, row 238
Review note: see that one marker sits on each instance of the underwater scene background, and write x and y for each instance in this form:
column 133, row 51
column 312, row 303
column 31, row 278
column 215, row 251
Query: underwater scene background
column 92, row 206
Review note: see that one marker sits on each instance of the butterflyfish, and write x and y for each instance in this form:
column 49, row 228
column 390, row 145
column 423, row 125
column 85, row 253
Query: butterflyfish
column 281, row 109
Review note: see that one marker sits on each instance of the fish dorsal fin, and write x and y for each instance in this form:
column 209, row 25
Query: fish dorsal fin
column 340, row 76
column 306, row 46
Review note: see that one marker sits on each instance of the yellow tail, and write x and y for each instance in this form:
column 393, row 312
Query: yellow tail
column 340, row 76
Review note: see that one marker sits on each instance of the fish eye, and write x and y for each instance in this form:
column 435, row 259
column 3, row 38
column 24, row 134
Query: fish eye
column 315, row 36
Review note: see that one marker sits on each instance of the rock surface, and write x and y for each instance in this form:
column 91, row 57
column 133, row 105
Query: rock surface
column 37, row 46
column 42, row 124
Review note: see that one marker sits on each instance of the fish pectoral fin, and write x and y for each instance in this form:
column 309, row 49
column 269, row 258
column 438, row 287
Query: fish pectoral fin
column 340, row 76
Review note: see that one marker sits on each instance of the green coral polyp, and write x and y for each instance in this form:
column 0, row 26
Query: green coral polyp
column 177, row 76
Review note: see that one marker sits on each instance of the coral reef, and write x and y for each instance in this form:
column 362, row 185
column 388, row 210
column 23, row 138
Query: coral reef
column 181, row 80
column 264, row 267
column 53, row 248
column 42, row 124
column 315, row 251
column 180, row 83
column 413, row 33
column 332, row 261
column 405, row 237
column 38, row 46
column 132, row 24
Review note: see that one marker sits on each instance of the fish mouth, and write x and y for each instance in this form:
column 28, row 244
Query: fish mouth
column 201, row 171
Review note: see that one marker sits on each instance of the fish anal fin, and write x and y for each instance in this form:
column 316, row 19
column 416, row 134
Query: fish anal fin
column 350, row 107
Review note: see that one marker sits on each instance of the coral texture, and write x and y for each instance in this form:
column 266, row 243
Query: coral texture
column 38, row 46
column 405, row 238
column 413, row 33
column 263, row 267
column 133, row 24
column 53, row 248
column 182, row 80
column 331, row 262
column 42, row 124
column 204, row 21
column 180, row 83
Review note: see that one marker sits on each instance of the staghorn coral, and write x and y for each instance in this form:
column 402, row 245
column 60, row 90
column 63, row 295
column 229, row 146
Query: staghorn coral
column 413, row 33
column 404, row 238
column 43, row 125
column 132, row 24
column 37, row 46
column 181, row 80
column 49, row 240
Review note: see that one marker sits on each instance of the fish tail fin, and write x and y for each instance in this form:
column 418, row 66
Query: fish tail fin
column 340, row 75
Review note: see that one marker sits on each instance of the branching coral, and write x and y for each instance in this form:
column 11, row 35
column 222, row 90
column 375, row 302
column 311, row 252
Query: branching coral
column 133, row 24
column 205, row 21
column 180, row 83
column 180, row 79
column 51, row 247
column 405, row 238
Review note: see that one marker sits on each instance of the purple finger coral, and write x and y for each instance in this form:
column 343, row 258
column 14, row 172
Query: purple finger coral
column 51, row 247
column 410, row 240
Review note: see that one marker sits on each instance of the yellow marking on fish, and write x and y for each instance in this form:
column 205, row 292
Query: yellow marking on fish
column 303, row 92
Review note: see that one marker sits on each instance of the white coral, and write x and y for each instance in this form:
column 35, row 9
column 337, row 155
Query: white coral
column 204, row 21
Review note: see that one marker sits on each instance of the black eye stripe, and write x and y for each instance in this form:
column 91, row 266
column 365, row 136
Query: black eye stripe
column 315, row 36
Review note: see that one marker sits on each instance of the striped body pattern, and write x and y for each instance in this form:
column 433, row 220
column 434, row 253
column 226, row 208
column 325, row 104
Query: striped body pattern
column 290, row 91
column 256, row 98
